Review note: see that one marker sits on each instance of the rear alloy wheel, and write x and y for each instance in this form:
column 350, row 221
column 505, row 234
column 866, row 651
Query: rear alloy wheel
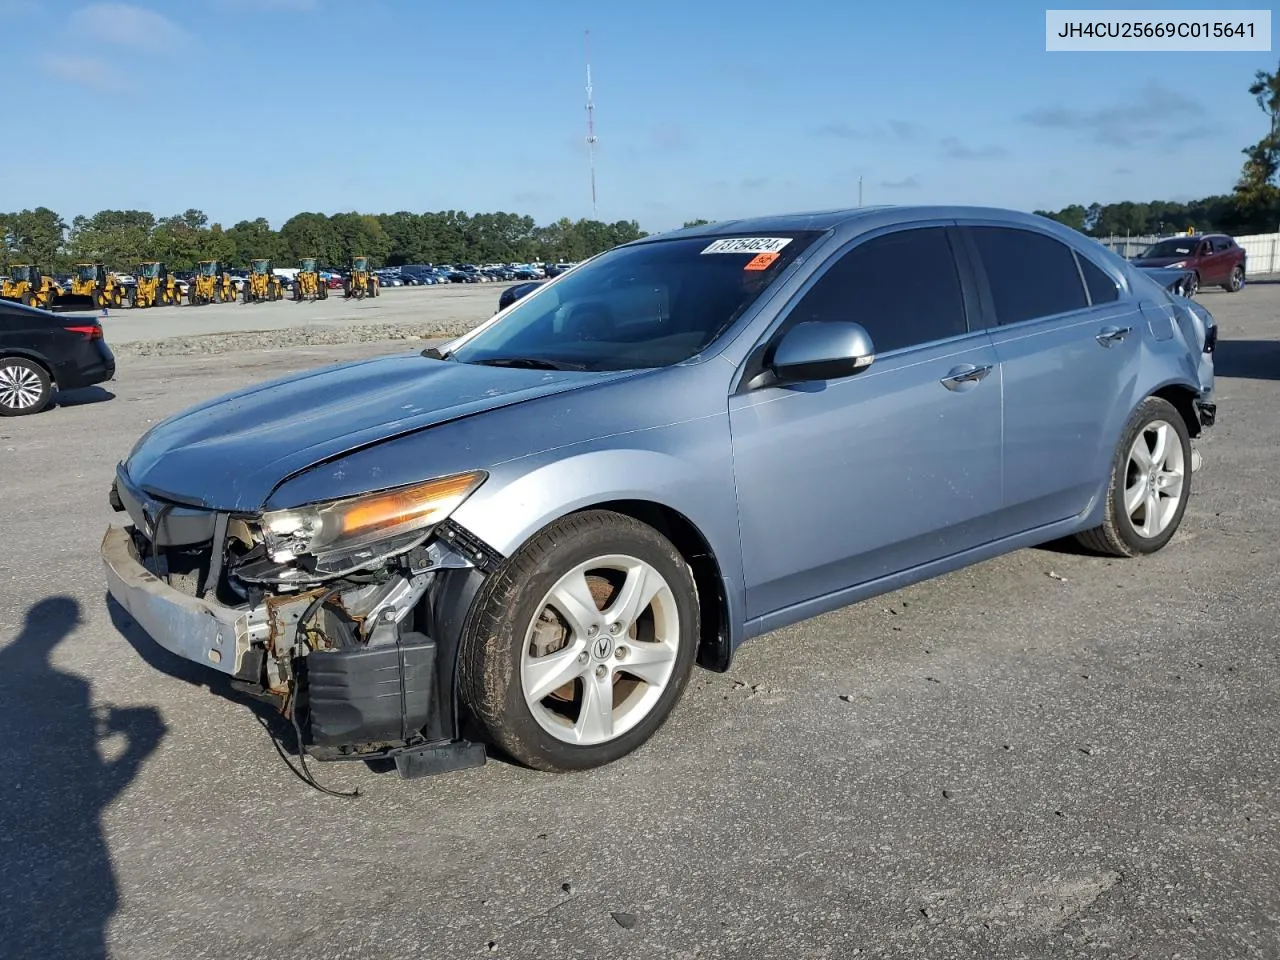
column 1236, row 283
column 581, row 643
column 1150, row 484
column 25, row 387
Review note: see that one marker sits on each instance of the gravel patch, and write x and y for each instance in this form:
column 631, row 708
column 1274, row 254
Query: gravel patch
column 307, row 336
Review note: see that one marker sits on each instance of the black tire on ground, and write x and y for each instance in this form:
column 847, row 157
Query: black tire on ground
column 1236, row 283
column 493, row 640
column 1117, row 536
column 29, row 299
column 31, row 373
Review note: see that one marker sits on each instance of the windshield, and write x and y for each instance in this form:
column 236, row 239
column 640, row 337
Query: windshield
column 308, row 266
column 86, row 271
column 360, row 264
column 259, row 267
column 149, row 271
column 650, row 305
column 22, row 273
column 1176, row 247
column 209, row 269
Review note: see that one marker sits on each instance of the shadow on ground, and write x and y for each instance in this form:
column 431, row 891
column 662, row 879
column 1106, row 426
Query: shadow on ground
column 1247, row 359
column 65, row 762
column 219, row 684
column 84, row 396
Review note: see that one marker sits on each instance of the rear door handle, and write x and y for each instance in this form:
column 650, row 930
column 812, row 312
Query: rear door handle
column 965, row 374
column 1110, row 335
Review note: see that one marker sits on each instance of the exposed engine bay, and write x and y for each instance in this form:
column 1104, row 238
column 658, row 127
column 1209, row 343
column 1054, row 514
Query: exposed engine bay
column 348, row 643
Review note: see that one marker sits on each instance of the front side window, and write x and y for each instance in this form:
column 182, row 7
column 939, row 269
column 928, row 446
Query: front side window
column 649, row 305
column 1031, row 275
column 901, row 287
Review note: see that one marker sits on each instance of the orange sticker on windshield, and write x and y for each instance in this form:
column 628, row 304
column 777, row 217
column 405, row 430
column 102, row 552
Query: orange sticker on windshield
column 761, row 261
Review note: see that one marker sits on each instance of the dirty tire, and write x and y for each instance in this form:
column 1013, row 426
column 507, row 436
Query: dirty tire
column 25, row 387
column 490, row 657
column 1117, row 535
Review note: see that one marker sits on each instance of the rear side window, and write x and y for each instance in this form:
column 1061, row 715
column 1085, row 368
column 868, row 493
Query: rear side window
column 1031, row 275
column 1221, row 244
column 901, row 287
column 1102, row 289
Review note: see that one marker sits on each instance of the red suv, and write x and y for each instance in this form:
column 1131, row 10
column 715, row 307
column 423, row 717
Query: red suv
column 1218, row 261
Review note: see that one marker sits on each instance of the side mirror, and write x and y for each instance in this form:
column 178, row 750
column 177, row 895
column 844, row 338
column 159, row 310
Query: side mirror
column 822, row 351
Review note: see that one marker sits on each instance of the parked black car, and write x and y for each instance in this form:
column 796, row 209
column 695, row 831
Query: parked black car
column 41, row 352
column 512, row 294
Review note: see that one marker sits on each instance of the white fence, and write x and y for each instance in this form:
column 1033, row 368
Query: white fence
column 1263, row 250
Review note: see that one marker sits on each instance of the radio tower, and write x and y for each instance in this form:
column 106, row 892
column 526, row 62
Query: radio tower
column 591, row 125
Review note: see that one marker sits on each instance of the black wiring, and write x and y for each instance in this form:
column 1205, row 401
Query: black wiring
column 305, row 773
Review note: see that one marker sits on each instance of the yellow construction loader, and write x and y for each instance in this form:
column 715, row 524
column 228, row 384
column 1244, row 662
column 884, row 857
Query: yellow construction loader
column 307, row 284
column 28, row 284
column 156, row 286
column 92, row 285
column 262, row 284
column 212, row 284
column 361, row 281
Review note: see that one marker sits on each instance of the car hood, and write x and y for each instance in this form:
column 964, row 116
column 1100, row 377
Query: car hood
column 231, row 452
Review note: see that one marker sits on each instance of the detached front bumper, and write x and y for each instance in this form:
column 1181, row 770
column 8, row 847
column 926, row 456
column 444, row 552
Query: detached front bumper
column 207, row 633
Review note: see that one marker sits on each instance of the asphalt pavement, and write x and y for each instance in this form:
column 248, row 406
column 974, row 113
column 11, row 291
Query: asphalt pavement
column 1046, row 755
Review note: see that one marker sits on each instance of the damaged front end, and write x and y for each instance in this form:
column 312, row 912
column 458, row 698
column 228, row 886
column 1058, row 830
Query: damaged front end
column 345, row 614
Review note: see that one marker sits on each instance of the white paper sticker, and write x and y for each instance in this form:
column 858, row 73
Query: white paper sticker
column 748, row 245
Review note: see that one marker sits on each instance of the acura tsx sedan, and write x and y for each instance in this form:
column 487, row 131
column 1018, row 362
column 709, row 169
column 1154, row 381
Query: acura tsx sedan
column 529, row 536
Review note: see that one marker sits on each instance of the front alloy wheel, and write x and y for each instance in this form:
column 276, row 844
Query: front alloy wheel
column 1149, row 486
column 581, row 644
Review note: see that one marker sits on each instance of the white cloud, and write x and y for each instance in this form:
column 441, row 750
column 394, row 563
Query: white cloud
column 123, row 24
column 91, row 72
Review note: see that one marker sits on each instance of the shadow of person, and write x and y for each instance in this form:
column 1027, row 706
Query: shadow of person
column 64, row 763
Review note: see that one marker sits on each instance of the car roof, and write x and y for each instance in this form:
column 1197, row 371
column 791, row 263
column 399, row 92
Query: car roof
column 832, row 219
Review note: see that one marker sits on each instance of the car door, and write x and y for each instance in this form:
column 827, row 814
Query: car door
column 1068, row 347
column 1223, row 259
column 846, row 481
column 1207, row 264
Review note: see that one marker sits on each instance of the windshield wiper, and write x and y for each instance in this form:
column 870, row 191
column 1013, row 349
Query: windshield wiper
column 530, row 363
column 435, row 353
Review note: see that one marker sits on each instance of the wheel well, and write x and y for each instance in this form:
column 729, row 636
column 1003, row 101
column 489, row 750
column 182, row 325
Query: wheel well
column 713, row 642
column 1184, row 401
column 34, row 359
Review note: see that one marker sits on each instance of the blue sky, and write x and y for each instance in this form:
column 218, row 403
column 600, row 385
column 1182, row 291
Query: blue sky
column 704, row 108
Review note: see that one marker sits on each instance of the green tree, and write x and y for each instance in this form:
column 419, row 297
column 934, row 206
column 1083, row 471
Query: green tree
column 252, row 239
column 34, row 236
column 309, row 235
column 119, row 238
column 695, row 223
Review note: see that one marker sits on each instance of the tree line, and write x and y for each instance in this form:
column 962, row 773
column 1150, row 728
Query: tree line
column 123, row 238
column 1253, row 206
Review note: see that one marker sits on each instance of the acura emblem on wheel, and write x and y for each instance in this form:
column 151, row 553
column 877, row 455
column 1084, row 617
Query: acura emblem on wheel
column 602, row 648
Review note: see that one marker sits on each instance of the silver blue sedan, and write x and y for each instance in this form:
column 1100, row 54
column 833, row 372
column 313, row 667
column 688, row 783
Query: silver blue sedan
column 528, row 537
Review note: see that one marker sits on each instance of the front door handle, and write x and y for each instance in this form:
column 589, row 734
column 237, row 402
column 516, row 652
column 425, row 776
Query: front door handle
column 965, row 374
column 1110, row 335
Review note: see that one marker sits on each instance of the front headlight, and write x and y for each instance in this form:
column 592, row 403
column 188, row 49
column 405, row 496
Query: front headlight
column 1181, row 264
column 346, row 534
